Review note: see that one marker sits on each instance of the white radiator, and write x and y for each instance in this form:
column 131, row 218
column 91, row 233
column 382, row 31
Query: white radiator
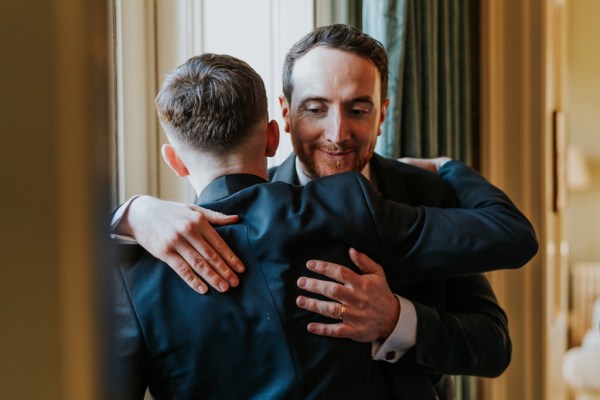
column 585, row 290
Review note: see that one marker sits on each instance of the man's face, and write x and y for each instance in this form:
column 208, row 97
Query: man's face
column 335, row 113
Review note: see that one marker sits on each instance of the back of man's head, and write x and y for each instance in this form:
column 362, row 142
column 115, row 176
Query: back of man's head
column 340, row 37
column 211, row 103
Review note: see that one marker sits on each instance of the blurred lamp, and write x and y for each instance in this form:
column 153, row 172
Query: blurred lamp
column 578, row 172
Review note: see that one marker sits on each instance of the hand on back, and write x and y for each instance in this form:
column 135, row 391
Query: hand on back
column 363, row 302
column 181, row 235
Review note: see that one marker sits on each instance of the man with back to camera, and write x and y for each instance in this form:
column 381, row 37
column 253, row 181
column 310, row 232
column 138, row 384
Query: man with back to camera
column 464, row 307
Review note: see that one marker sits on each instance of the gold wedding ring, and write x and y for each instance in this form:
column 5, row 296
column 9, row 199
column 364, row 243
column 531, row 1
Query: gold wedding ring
column 343, row 312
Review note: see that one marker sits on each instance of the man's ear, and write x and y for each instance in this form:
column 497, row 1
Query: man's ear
column 285, row 113
column 272, row 138
column 383, row 113
column 172, row 159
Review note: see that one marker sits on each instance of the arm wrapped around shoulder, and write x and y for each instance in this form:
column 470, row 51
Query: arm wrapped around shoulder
column 475, row 192
column 486, row 233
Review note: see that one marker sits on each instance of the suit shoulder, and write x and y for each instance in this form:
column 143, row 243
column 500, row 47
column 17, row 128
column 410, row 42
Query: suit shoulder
column 340, row 183
column 127, row 254
column 348, row 193
column 412, row 172
column 136, row 267
column 422, row 187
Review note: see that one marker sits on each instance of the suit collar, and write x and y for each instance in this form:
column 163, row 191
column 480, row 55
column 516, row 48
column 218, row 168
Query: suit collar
column 228, row 185
column 386, row 176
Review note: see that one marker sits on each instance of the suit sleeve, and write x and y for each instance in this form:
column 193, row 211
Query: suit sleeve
column 128, row 372
column 468, row 336
column 461, row 329
column 487, row 233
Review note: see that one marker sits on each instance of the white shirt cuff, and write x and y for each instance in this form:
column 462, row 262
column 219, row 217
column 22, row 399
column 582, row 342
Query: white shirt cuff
column 402, row 338
column 116, row 219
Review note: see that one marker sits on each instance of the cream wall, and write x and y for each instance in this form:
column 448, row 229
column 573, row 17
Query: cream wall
column 521, row 86
column 583, row 212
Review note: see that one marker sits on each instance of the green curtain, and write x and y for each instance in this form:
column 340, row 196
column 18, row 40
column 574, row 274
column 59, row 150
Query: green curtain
column 433, row 60
column 432, row 47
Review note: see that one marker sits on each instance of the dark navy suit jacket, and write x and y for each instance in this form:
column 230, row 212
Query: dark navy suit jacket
column 252, row 342
column 461, row 329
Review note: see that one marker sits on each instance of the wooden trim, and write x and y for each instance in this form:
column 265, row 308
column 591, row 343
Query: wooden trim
column 136, row 82
column 178, row 37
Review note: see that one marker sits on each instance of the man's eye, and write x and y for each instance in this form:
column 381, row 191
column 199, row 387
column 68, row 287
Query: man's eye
column 315, row 110
column 358, row 112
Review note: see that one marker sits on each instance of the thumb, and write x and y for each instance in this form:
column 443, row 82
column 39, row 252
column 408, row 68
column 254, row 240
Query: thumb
column 215, row 217
column 364, row 262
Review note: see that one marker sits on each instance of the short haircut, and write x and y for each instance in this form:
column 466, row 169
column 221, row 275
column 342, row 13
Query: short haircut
column 211, row 102
column 341, row 37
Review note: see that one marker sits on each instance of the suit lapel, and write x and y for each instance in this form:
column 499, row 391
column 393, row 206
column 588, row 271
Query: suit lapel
column 286, row 172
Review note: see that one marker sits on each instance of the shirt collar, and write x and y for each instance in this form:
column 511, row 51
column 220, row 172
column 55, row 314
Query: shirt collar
column 228, row 185
column 304, row 179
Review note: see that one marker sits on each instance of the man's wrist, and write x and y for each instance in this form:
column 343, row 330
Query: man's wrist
column 394, row 317
column 442, row 161
column 402, row 338
column 120, row 221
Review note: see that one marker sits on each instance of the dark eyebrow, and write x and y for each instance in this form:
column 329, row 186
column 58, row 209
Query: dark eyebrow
column 309, row 99
column 362, row 99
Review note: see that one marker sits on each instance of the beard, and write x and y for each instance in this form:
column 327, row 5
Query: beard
column 317, row 167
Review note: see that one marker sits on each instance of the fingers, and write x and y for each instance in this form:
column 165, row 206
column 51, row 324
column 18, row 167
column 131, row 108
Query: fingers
column 335, row 310
column 330, row 309
column 364, row 262
column 185, row 272
column 207, row 253
column 215, row 273
column 215, row 217
column 218, row 253
column 423, row 163
column 209, row 265
column 337, row 272
column 332, row 290
column 430, row 164
column 364, row 301
column 332, row 330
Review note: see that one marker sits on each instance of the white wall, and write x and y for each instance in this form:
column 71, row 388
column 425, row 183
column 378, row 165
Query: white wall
column 259, row 32
column 583, row 212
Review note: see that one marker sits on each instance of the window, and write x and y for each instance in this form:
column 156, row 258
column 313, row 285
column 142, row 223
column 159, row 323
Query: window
column 151, row 37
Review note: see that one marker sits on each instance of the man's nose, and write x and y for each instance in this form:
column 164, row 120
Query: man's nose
column 337, row 130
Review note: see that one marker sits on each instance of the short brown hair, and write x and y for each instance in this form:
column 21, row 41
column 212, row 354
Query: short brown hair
column 211, row 102
column 342, row 37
